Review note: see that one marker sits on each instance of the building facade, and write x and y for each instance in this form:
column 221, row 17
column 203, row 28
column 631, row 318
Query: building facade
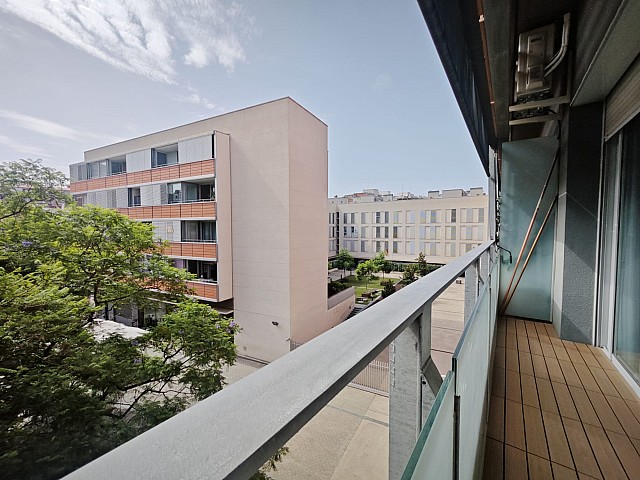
column 442, row 225
column 241, row 199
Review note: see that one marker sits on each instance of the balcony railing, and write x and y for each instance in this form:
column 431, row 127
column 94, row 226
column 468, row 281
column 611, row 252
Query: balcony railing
column 232, row 433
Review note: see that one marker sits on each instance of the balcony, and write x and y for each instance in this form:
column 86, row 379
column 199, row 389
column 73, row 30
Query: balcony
column 207, row 290
column 192, row 249
column 184, row 210
column 158, row 174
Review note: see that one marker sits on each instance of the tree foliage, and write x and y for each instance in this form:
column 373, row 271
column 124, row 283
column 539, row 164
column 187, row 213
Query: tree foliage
column 65, row 396
column 388, row 288
column 345, row 260
column 410, row 273
column 364, row 271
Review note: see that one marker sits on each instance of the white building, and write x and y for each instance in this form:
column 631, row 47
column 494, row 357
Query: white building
column 442, row 225
column 241, row 198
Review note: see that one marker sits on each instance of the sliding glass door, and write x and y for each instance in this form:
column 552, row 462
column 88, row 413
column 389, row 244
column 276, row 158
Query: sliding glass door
column 626, row 337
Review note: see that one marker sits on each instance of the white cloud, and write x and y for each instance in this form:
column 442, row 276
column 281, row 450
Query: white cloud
column 146, row 37
column 52, row 129
column 197, row 100
column 22, row 149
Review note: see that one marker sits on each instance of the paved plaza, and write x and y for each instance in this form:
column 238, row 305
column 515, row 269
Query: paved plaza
column 349, row 438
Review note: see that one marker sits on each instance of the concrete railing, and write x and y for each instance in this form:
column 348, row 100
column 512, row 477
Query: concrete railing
column 340, row 297
column 232, row 433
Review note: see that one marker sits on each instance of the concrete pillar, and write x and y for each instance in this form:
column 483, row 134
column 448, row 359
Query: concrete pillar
column 411, row 394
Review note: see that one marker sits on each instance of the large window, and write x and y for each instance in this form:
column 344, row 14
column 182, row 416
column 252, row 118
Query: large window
column 205, row 271
column 161, row 157
column 198, row 231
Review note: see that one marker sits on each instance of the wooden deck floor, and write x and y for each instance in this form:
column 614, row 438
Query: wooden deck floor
column 558, row 409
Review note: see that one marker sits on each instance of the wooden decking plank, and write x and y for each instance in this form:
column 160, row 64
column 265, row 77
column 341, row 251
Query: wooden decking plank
column 523, row 343
column 602, row 358
column 514, row 425
column 608, row 462
column 604, row 382
column 565, row 402
column 534, row 432
column 570, row 375
column 521, row 329
column 513, row 391
column 493, row 459
column 582, row 476
column 588, row 357
column 635, row 408
column 495, row 425
column 625, row 416
column 636, row 443
column 539, row 366
column 583, row 405
column 557, row 440
column 581, row 449
column 574, row 354
column 511, row 326
column 511, row 360
column 515, row 463
column 561, row 472
column 498, row 359
column 621, row 385
column 569, row 345
column 526, row 365
column 561, row 352
column 534, row 346
column 626, row 452
column 529, row 390
column 605, row 414
column 547, row 349
column 531, row 329
column 541, row 330
column 546, row 396
column 539, row 468
column 511, row 341
column 553, row 367
column 586, row 378
column 550, row 330
column 498, row 382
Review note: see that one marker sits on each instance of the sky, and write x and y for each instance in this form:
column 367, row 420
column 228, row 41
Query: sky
column 80, row 74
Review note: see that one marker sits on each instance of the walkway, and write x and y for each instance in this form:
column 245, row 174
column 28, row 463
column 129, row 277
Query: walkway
column 558, row 409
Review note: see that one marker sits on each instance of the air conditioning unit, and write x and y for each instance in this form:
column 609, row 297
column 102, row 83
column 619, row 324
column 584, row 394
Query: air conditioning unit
column 535, row 51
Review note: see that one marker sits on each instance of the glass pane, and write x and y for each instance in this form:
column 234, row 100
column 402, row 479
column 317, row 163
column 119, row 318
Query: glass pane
column 609, row 226
column 627, row 327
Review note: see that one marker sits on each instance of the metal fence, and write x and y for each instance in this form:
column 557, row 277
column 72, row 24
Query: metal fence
column 373, row 378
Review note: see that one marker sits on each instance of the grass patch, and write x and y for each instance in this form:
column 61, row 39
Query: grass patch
column 359, row 285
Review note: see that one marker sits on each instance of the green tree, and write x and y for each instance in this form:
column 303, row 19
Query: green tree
column 27, row 183
column 422, row 268
column 364, row 271
column 410, row 273
column 66, row 396
column 388, row 288
column 379, row 262
column 344, row 260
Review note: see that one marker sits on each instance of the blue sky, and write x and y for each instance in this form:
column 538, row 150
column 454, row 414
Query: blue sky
column 80, row 74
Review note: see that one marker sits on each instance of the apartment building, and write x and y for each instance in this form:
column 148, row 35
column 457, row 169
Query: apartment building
column 443, row 224
column 241, row 199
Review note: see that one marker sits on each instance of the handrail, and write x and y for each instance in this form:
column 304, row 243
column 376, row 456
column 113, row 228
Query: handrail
column 232, row 433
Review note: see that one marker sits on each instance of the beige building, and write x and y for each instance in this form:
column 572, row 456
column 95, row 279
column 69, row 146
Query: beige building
column 241, row 198
column 443, row 225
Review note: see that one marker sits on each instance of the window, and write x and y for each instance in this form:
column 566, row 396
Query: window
column 396, row 216
column 353, row 218
column 397, row 232
column 364, row 217
column 450, row 215
column 363, row 232
column 198, row 231
column 434, row 216
column 354, row 232
column 423, row 233
column 205, row 271
column 410, row 248
column 411, row 216
column 397, row 247
column 134, row 197
column 450, row 249
column 97, row 169
column 344, row 218
column 386, row 217
column 363, row 246
column 344, row 231
column 468, row 233
column 480, row 233
column 80, row 199
column 450, row 233
column 480, row 215
column 161, row 157
column 410, row 233
column 116, row 167
column 382, row 246
column 423, row 216
column 378, row 217
column 174, row 191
